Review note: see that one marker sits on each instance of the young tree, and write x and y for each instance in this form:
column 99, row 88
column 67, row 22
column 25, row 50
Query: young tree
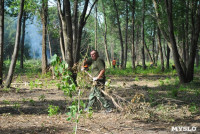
column 16, row 47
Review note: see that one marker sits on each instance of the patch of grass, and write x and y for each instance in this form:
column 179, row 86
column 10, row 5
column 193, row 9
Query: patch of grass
column 6, row 89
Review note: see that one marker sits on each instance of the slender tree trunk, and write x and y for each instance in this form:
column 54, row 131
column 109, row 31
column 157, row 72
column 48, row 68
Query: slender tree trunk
column 197, row 58
column 143, row 41
column 96, row 22
column 120, row 34
column 1, row 39
column 43, row 15
column 105, row 36
column 147, row 49
column 50, row 50
column 161, row 52
column 16, row 47
column 168, row 56
column 75, row 27
column 186, row 33
column 126, row 37
column 183, row 43
column 153, row 47
column 22, row 41
column 62, row 46
column 133, row 36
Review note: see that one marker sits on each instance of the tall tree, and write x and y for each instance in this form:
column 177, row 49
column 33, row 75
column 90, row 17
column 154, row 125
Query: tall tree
column 126, row 36
column 22, row 41
column 185, row 71
column 43, row 15
column 142, row 33
column 160, row 50
column 120, row 33
column 96, row 27
column 1, row 39
column 105, row 35
column 16, row 47
column 133, row 36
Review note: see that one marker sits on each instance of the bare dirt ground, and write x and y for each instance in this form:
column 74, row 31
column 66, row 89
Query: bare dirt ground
column 24, row 109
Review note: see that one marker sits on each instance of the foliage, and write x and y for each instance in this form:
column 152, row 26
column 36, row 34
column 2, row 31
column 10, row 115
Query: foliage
column 53, row 110
column 68, row 86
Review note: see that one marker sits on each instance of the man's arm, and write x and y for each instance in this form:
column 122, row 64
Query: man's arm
column 100, row 76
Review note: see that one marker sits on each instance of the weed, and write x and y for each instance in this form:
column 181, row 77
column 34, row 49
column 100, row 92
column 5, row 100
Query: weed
column 161, row 82
column 17, row 90
column 42, row 97
column 16, row 106
column 53, row 110
column 31, row 84
column 32, row 102
column 6, row 102
column 136, row 78
column 193, row 108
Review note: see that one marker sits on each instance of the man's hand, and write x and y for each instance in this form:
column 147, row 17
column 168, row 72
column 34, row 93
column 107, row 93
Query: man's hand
column 95, row 78
column 82, row 68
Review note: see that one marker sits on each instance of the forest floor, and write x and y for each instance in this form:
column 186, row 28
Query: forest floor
column 157, row 107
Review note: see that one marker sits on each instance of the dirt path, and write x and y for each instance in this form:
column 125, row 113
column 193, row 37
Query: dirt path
column 25, row 111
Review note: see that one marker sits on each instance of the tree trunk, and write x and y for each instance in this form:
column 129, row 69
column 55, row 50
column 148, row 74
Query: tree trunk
column 82, row 22
column 197, row 58
column 143, row 41
column 145, row 45
column 133, row 38
column 22, row 41
column 62, row 46
column 16, row 47
column 179, row 69
column 1, row 39
column 161, row 52
column 120, row 33
column 153, row 45
column 50, row 51
column 67, row 31
column 43, row 15
column 126, row 38
column 168, row 56
column 96, row 22
column 186, row 33
column 75, row 27
column 105, row 36
column 194, row 40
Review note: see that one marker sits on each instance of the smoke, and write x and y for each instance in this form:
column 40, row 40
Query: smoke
column 35, row 37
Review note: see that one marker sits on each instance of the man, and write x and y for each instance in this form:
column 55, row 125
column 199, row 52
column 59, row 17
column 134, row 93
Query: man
column 114, row 63
column 98, row 74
